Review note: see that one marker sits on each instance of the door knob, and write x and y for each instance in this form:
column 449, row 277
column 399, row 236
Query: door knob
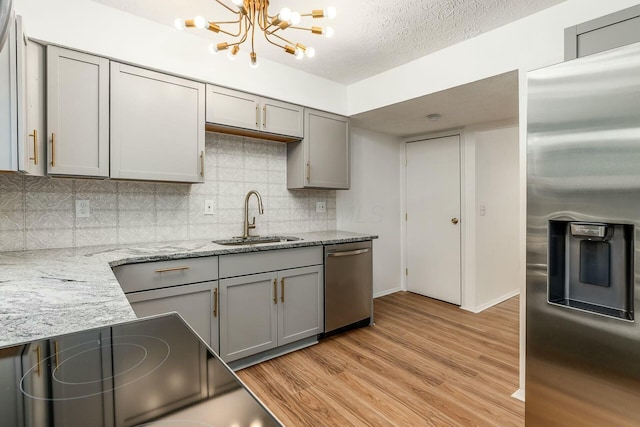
column 454, row 220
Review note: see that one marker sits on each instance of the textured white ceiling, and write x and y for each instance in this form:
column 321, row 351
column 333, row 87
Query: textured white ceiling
column 484, row 101
column 371, row 36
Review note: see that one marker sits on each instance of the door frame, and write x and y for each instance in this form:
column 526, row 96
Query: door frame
column 466, row 201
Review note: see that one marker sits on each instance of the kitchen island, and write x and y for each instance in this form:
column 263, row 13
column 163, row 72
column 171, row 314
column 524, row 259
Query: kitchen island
column 52, row 292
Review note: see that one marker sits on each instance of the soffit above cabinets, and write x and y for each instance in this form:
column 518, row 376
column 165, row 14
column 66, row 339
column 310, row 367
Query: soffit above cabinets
column 371, row 36
column 494, row 99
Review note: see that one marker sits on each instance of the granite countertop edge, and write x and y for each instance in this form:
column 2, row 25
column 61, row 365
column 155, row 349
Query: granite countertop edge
column 51, row 292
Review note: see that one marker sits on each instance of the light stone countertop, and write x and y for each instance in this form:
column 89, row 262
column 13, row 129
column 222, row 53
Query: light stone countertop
column 52, row 292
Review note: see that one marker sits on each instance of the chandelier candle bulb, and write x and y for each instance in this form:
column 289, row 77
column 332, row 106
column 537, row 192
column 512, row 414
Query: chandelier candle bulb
column 200, row 22
column 179, row 24
column 328, row 32
column 295, row 18
column 285, row 14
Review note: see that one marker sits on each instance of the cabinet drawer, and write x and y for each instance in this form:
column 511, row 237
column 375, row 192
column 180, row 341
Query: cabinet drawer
column 260, row 262
column 162, row 274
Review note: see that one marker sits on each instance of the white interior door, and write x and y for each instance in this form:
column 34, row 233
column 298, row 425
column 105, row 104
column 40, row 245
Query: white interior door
column 433, row 218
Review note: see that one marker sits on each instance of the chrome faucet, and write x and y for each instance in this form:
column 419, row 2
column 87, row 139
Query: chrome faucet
column 248, row 226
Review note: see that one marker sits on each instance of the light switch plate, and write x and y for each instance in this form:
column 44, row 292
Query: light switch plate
column 321, row 207
column 208, row 207
column 82, row 209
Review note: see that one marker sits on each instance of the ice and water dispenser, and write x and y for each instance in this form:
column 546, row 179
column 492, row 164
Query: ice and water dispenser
column 591, row 267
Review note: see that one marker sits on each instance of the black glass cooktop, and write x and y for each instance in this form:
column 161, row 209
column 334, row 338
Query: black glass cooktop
column 149, row 372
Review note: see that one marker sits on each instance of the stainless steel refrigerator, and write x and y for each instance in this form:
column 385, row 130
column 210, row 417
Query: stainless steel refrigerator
column 583, row 225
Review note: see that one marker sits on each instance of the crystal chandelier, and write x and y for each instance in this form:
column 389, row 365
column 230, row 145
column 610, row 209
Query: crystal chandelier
column 255, row 13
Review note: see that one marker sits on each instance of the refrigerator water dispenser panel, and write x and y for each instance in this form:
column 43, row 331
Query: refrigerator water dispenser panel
column 591, row 267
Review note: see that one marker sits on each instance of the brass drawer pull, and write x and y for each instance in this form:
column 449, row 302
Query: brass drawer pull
column 275, row 291
column 53, row 149
column 38, row 354
column 215, row 302
column 55, row 349
column 282, row 289
column 164, row 270
column 257, row 115
column 264, row 116
column 34, row 135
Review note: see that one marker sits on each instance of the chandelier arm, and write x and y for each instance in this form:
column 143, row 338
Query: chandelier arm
column 284, row 40
column 301, row 28
column 228, row 8
column 266, row 36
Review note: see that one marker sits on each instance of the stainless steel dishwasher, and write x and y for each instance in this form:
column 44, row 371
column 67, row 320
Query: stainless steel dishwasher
column 348, row 290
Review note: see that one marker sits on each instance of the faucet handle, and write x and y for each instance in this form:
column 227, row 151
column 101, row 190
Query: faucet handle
column 253, row 223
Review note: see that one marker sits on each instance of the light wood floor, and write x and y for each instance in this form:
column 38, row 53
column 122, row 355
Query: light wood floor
column 425, row 362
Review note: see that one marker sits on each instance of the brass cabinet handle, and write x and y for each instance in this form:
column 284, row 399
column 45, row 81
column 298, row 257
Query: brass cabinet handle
column 282, row 289
column 275, row 291
column 257, row 115
column 308, row 171
column 34, row 135
column 38, row 354
column 264, row 116
column 164, row 270
column 454, row 220
column 53, row 149
column 202, row 163
column 215, row 302
column 55, row 349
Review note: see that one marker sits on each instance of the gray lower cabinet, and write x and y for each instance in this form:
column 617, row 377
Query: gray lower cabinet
column 186, row 286
column 322, row 158
column 77, row 113
column 74, row 361
column 157, row 126
column 197, row 304
column 259, row 312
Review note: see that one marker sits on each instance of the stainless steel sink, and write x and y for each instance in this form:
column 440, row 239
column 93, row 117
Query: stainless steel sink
column 257, row 240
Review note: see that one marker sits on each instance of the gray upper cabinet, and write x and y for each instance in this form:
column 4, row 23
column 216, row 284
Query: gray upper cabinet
column 235, row 109
column 15, row 150
column 77, row 113
column 607, row 32
column 157, row 126
column 321, row 159
column 34, row 158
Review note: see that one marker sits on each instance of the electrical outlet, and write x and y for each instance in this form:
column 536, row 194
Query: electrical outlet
column 82, row 209
column 321, row 207
column 208, row 207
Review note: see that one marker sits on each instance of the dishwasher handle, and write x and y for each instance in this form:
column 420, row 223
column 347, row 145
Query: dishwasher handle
column 348, row 253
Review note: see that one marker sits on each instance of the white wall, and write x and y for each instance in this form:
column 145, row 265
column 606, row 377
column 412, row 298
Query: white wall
column 92, row 27
column 372, row 205
column 532, row 42
column 496, row 232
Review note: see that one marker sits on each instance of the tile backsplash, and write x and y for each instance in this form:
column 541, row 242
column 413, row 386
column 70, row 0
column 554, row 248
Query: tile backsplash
column 39, row 213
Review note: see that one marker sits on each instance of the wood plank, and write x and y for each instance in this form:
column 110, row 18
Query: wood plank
column 424, row 362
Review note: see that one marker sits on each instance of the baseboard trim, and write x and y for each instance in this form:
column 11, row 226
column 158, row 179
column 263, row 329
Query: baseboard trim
column 387, row 292
column 493, row 302
column 519, row 394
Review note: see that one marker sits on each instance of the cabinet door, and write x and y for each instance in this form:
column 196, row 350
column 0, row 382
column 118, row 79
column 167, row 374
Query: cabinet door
column 197, row 304
column 77, row 113
column 301, row 308
column 157, row 126
column 248, row 315
column 34, row 159
column 326, row 145
column 232, row 108
column 282, row 118
column 8, row 102
column 81, row 379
